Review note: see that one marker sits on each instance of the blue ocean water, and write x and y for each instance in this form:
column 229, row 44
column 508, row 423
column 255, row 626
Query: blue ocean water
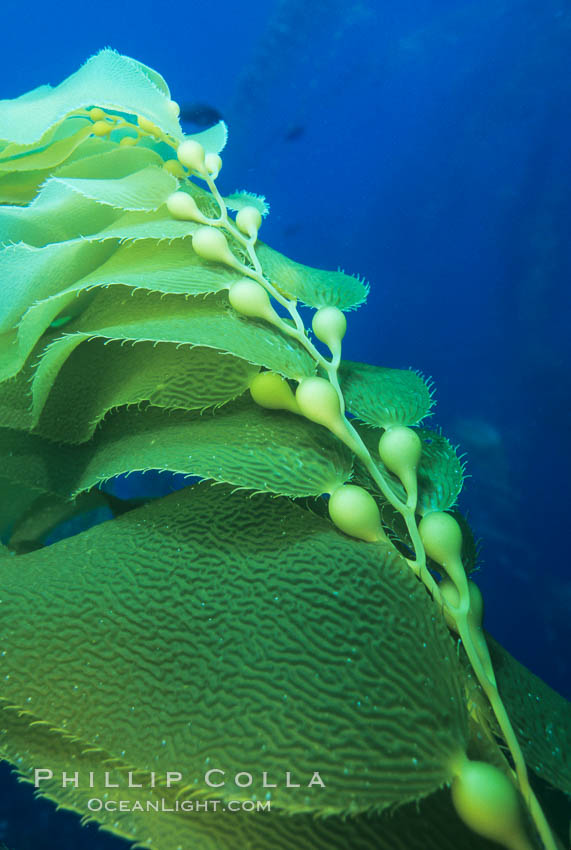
column 425, row 146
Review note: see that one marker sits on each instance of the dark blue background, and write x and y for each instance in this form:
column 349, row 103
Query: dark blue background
column 425, row 146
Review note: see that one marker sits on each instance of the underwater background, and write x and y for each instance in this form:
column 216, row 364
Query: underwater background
column 425, row 146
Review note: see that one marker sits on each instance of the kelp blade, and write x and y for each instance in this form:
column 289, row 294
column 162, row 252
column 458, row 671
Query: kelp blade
column 205, row 599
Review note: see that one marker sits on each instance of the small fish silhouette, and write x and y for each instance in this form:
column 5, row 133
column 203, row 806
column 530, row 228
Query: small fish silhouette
column 293, row 132
column 200, row 114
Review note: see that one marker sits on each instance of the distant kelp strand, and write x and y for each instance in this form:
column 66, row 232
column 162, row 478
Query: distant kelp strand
column 146, row 327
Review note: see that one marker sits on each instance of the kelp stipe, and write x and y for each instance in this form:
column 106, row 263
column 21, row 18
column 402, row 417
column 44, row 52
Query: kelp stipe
column 221, row 628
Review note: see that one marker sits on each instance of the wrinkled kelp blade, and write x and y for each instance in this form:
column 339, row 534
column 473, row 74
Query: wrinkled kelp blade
column 430, row 825
column 382, row 397
column 240, row 444
column 100, row 375
column 122, row 313
column 162, row 266
column 57, row 279
column 440, row 471
column 541, row 716
column 315, row 287
column 195, row 604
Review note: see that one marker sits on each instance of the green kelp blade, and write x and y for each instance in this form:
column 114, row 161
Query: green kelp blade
column 240, row 444
column 238, row 200
column 430, row 824
column 213, row 139
column 157, row 225
column 61, row 145
column 440, row 473
column 315, row 287
column 53, row 279
column 146, row 189
column 8, row 150
column 99, row 375
column 89, row 147
column 541, row 716
column 15, row 502
column 18, row 188
column 122, row 313
column 21, row 181
column 49, row 512
column 59, row 212
column 16, row 401
column 201, row 603
column 36, row 274
column 56, row 214
column 103, row 159
column 162, row 266
column 107, row 80
column 50, row 156
column 381, row 397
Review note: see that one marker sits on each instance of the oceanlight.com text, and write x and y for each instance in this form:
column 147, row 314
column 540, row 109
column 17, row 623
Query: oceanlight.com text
column 96, row 804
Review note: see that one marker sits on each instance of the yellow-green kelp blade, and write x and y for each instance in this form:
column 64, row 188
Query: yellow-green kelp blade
column 293, row 618
column 126, row 315
column 107, row 80
column 163, row 267
column 56, row 212
column 37, row 274
column 100, row 375
column 51, row 156
column 61, row 278
column 197, row 605
column 104, row 374
column 147, row 189
column 121, row 313
column 430, row 824
column 240, row 444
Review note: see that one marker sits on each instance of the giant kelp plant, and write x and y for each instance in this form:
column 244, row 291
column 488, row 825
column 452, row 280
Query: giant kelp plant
column 307, row 624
